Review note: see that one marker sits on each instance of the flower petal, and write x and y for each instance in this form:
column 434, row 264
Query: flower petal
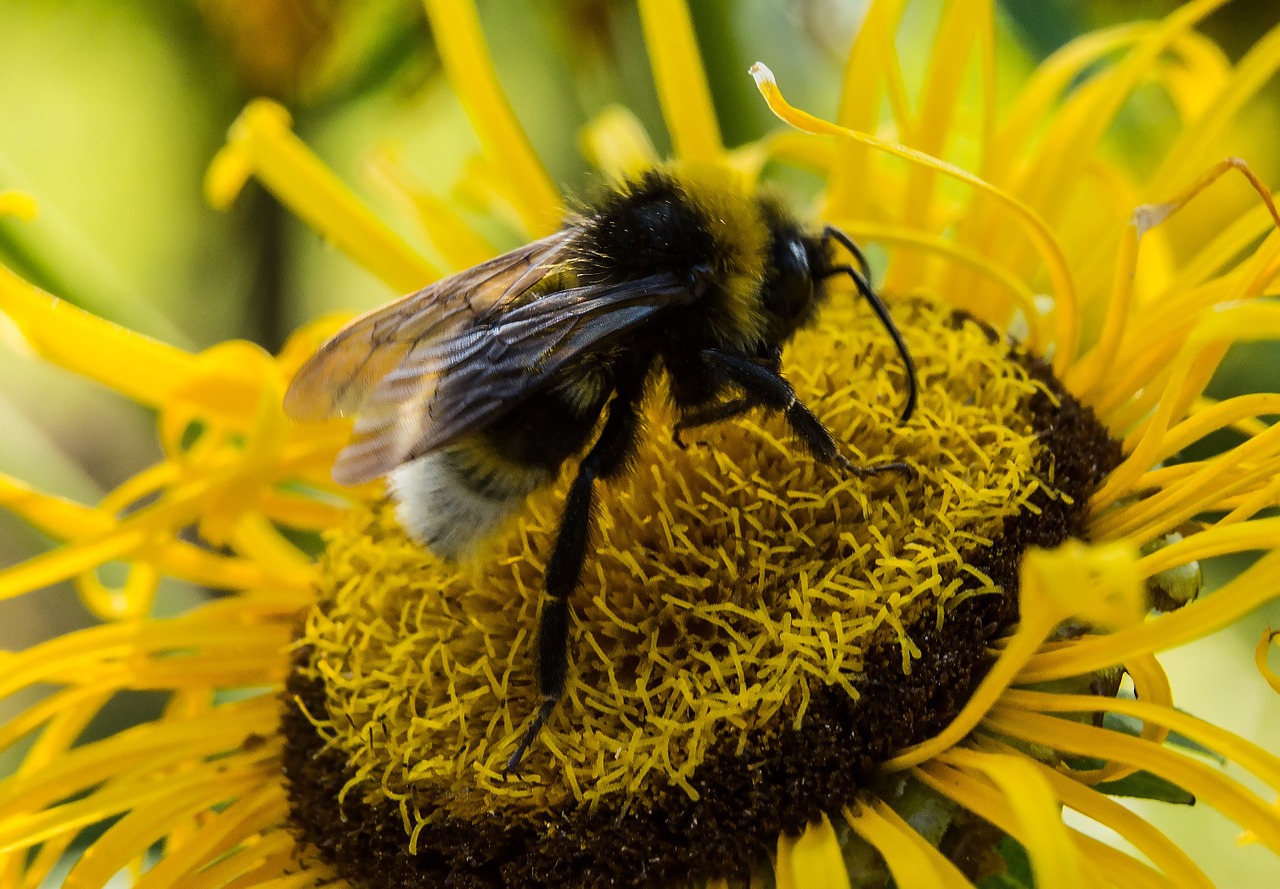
column 139, row 368
column 1260, row 658
column 615, row 141
column 1053, row 858
column 1066, row 308
column 1207, row 784
column 469, row 67
column 260, row 144
column 681, row 80
column 811, row 861
column 912, row 861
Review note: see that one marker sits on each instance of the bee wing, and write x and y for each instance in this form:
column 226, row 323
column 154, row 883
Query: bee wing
column 428, row 369
column 337, row 380
column 446, row 388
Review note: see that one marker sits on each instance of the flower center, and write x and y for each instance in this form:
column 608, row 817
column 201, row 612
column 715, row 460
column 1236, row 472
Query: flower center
column 754, row 634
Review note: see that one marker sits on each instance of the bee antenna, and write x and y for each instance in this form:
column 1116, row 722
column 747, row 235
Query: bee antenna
column 862, row 279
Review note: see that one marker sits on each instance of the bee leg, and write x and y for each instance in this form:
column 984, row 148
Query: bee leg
column 861, row 277
column 708, row 415
column 767, row 388
column 608, row 457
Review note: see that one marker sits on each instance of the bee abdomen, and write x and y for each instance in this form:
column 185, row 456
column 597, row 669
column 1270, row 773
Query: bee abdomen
column 452, row 500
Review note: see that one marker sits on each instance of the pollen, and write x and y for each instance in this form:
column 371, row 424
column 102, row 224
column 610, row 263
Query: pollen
column 754, row 632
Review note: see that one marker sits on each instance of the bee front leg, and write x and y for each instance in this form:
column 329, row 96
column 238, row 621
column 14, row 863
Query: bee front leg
column 612, row 453
column 765, row 387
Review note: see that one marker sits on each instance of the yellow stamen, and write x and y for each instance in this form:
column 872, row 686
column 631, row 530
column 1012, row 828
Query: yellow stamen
column 469, row 67
column 260, row 144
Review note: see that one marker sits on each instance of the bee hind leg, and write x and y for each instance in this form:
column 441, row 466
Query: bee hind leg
column 612, row 453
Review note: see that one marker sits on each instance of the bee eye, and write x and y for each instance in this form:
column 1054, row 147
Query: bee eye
column 789, row 294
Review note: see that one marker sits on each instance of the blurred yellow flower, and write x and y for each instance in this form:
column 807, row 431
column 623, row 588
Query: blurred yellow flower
column 782, row 676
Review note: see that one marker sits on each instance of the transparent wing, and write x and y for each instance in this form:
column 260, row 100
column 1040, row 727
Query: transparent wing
column 336, row 380
column 433, row 367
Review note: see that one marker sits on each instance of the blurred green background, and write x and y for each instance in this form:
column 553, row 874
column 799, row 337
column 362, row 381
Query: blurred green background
column 110, row 111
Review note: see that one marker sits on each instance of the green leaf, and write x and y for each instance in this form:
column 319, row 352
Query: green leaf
column 1144, row 785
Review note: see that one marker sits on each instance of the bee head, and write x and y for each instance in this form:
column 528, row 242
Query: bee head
column 789, row 294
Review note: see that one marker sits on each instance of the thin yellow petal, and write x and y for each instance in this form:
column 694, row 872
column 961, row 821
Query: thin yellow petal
column 141, row 369
column 1196, row 77
column 136, row 832
column 1260, row 658
column 469, row 67
column 980, row 796
column 1099, row 584
column 1261, row 763
column 25, row 830
column 1209, row 786
column 681, row 81
column 1146, row 838
column 1087, row 373
column 1209, row 416
column 957, row 256
column 615, row 142
column 1259, row 534
column 1204, row 488
column 261, row 144
column 1065, row 312
column 1252, row 588
column 1191, row 150
column 811, row 861
column 55, row 516
column 458, row 244
column 960, row 28
column 1053, row 77
column 1241, row 322
column 255, row 865
column 911, row 859
column 1077, row 129
column 871, row 59
column 19, row 204
column 246, row 817
column 1053, row 857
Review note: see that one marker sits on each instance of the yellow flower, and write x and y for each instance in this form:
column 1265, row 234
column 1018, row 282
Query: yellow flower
column 781, row 674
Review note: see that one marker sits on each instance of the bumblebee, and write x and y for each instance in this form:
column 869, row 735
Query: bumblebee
column 473, row 392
